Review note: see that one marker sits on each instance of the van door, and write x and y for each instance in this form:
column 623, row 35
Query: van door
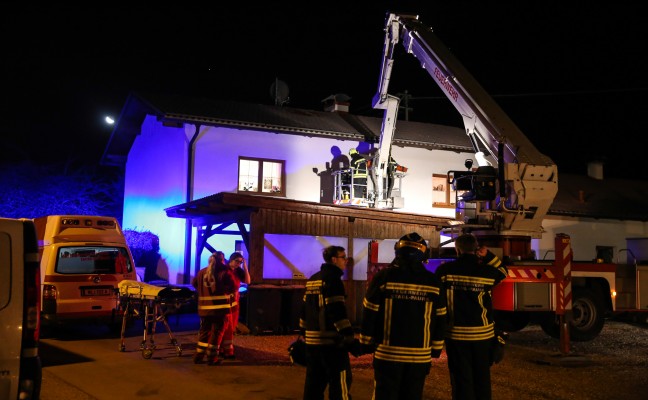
column 84, row 279
column 20, row 366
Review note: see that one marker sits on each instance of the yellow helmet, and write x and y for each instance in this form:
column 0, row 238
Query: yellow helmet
column 353, row 151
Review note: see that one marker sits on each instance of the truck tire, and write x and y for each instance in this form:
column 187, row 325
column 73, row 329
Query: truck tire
column 587, row 318
column 511, row 321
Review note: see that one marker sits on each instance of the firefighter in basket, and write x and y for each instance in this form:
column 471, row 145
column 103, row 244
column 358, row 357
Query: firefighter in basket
column 359, row 173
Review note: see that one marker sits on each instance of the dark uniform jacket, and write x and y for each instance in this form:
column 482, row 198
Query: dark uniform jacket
column 404, row 314
column 216, row 290
column 468, row 283
column 324, row 318
column 359, row 165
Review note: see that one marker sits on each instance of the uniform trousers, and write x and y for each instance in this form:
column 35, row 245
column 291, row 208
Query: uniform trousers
column 397, row 380
column 359, row 187
column 227, row 348
column 210, row 335
column 327, row 365
column 469, row 366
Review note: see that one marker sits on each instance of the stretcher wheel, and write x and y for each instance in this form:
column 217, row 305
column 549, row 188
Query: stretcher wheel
column 147, row 353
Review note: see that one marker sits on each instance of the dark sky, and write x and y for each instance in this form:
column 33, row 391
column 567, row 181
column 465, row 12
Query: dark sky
column 572, row 78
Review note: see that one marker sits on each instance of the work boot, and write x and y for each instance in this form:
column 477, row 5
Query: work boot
column 198, row 358
column 214, row 361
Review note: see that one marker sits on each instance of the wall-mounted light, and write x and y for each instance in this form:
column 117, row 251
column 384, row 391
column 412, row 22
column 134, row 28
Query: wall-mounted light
column 109, row 120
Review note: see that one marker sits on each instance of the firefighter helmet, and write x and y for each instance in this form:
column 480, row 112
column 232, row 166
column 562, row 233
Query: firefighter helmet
column 412, row 246
column 297, row 352
column 353, row 151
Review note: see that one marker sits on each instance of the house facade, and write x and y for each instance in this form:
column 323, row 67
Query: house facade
column 177, row 150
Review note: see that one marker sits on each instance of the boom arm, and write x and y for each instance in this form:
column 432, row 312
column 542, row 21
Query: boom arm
column 530, row 178
column 384, row 101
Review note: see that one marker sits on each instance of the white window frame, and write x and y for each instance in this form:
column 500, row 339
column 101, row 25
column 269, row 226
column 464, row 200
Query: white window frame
column 262, row 176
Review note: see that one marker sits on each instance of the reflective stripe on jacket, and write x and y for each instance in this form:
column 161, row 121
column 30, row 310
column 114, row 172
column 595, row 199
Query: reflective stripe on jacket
column 216, row 291
column 323, row 319
column 468, row 283
column 404, row 314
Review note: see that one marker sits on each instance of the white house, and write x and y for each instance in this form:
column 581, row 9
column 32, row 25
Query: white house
column 176, row 150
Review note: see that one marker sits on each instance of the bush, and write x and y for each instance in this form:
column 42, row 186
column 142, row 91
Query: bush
column 145, row 247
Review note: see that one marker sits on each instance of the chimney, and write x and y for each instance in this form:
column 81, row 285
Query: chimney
column 595, row 170
column 336, row 103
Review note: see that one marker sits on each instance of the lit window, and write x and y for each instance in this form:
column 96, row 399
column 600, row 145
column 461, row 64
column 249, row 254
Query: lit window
column 442, row 192
column 262, row 176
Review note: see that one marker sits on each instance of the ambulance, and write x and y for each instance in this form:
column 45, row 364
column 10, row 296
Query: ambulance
column 20, row 364
column 83, row 259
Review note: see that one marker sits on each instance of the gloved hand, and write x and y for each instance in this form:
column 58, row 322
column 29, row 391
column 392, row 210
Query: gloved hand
column 355, row 348
column 347, row 341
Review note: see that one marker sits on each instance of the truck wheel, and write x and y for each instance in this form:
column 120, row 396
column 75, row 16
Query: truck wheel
column 551, row 326
column 588, row 316
column 587, row 321
column 511, row 321
column 640, row 318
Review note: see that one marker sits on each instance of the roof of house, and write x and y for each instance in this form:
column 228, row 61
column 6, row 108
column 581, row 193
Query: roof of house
column 340, row 125
column 578, row 196
column 584, row 196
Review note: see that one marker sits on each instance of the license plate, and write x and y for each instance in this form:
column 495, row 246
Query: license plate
column 96, row 291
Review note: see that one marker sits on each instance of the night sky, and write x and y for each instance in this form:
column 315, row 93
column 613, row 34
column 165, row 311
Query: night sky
column 572, row 78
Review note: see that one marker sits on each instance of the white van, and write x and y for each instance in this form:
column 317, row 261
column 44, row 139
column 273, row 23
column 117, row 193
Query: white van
column 83, row 259
column 20, row 366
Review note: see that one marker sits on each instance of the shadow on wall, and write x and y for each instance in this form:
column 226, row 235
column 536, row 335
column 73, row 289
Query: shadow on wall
column 162, row 269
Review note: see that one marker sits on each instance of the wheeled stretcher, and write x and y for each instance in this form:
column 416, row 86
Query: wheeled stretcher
column 152, row 303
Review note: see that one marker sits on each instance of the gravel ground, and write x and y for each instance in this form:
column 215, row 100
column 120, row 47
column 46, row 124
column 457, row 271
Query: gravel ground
column 613, row 366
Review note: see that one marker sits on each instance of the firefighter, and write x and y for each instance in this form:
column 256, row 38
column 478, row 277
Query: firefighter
column 215, row 286
column 468, row 282
column 359, row 173
column 327, row 330
column 403, row 322
column 391, row 171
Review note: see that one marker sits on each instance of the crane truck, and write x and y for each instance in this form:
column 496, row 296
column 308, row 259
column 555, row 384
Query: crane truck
column 504, row 200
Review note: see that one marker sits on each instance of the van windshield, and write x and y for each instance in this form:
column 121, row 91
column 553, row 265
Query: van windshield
column 93, row 260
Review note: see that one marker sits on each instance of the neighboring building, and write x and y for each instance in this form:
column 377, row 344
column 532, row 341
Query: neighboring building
column 598, row 214
column 176, row 150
